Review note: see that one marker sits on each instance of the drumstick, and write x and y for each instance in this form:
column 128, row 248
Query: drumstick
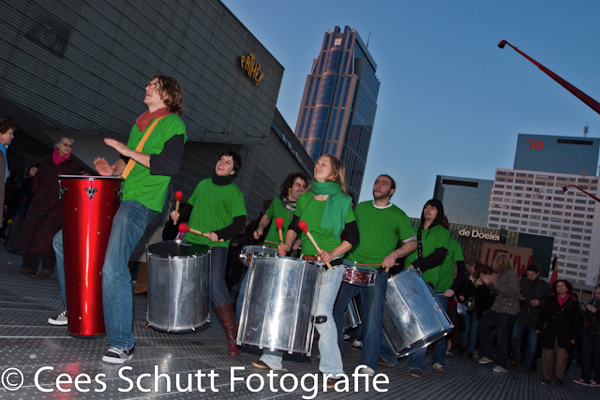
column 184, row 228
column 279, row 223
column 266, row 241
column 302, row 225
column 372, row 265
column 178, row 196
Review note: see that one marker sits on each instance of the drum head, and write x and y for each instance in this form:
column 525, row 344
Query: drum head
column 176, row 248
column 260, row 249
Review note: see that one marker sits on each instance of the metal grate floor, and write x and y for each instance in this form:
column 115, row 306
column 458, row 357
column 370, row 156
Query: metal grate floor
column 178, row 366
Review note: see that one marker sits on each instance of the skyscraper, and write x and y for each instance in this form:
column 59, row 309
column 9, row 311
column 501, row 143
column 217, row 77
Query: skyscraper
column 466, row 200
column 558, row 154
column 339, row 104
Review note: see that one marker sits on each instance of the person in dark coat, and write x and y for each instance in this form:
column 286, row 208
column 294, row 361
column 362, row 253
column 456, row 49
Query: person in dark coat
column 17, row 209
column 7, row 129
column 559, row 325
column 43, row 218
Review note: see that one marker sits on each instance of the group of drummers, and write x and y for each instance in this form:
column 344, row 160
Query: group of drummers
column 318, row 217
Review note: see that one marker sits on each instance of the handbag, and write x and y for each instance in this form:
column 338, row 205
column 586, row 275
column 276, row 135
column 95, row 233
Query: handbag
column 470, row 303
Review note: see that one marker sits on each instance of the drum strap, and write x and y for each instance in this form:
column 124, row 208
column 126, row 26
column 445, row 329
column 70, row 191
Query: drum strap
column 139, row 148
column 420, row 255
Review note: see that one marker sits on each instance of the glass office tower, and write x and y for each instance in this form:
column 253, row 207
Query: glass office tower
column 466, row 200
column 339, row 104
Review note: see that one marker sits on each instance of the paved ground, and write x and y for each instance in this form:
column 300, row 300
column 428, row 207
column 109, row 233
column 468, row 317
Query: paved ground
column 46, row 355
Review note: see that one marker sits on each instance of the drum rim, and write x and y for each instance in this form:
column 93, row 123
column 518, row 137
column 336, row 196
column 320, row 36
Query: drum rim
column 90, row 177
column 261, row 247
column 149, row 253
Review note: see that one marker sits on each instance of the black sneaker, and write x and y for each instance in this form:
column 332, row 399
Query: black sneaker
column 59, row 320
column 117, row 356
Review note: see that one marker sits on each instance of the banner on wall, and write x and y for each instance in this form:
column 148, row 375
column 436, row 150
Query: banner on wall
column 520, row 256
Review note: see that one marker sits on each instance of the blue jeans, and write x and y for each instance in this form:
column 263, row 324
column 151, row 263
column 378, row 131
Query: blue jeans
column 239, row 303
column 471, row 324
column 590, row 360
column 416, row 359
column 501, row 323
column 372, row 299
column 57, row 243
column 517, row 333
column 218, row 288
column 331, row 359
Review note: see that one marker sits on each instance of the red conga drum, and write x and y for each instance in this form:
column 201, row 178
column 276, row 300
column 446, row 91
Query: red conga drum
column 88, row 204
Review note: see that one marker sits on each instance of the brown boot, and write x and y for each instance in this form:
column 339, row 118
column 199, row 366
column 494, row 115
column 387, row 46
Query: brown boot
column 27, row 271
column 45, row 272
column 227, row 317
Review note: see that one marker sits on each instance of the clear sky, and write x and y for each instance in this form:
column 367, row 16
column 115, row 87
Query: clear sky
column 451, row 102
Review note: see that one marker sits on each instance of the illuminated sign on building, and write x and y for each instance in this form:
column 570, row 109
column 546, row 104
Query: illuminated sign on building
column 252, row 68
column 479, row 235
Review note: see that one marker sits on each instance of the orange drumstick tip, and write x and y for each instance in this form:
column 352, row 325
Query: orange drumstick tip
column 178, row 195
column 302, row 225
column 183, row 227
column 279, row 222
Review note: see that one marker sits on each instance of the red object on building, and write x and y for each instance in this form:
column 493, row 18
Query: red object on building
column 88, row 207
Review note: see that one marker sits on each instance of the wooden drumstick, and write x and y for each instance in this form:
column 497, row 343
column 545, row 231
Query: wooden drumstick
column 267, row 241
column 279, row 223
column 372, row 265
column 184, row 228
column 302, row 225
column 178, row 196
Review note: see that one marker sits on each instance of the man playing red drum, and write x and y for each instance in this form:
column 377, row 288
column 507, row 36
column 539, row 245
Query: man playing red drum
column 381, row 226
column 152, row 155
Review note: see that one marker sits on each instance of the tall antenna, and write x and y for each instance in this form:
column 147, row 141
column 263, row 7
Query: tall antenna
column 586, row 128
column 368, row 39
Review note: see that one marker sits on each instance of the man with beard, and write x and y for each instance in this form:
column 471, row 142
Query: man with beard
column 381, row 226
column 283, row 207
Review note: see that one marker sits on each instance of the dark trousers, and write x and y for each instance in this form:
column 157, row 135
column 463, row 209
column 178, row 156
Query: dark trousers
column 501, row 324
column 590, row 360
column 31, row 261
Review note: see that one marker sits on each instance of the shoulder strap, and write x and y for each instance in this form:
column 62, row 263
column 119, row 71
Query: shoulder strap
column 139, row 148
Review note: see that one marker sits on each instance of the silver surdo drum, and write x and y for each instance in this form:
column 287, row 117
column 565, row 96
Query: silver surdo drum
column 178, row 286
column 351, row 315
column 412, row 317
column 249, row 252
column 278, row 306
column 354, row 274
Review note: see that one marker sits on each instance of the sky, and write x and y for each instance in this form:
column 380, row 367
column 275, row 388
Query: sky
column 450, row 102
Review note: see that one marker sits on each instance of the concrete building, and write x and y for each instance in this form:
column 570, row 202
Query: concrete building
column 78, row 68
column 339, row 103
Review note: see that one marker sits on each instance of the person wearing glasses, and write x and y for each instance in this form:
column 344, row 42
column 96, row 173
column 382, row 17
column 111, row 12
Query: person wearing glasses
column 148, row 161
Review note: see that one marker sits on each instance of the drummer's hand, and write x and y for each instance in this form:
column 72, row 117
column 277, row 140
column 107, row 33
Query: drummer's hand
column 213, row 237
column 257, row 233
column 296, row 244
column 410, row 267
column 282, row 249
column 103, row 167
column 174, row 215
column 325, row 256
column 119, row 146
column 388, row 261
column 449, row 293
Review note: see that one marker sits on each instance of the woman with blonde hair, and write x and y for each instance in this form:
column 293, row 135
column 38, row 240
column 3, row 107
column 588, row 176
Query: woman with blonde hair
column 502, row 314
column 327, row 210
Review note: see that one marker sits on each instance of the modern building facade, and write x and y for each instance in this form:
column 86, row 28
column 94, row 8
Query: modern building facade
column 339, row 103
column 557, row 154
column 534, row 202
column 78, row 68
column 466, row 200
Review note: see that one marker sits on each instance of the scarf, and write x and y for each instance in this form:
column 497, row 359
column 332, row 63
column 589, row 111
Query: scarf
column 222, row 180
column 288, row 204
column 335, row 212
column 562, row 300
column 57, row 158
column 477, row 282
column 146, row 118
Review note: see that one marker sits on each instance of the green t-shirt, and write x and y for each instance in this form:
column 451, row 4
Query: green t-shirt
column 379, row 229
column 276, row 210
column 310, row 210
column 454, row 255
column 432, row 239
column 140, row 185
column 214, row 208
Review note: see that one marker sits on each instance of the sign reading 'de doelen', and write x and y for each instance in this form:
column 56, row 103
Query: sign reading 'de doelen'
column 479, row 235
column 252, row 68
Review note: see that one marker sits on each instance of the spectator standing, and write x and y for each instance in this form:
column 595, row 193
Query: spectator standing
column 590, row 362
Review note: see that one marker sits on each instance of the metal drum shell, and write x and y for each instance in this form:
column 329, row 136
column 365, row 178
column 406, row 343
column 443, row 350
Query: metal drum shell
column 353, row 269
column 412, row 318
column 279, row 305
column 351, row 315
column 88, row 205
column 249, row 252
column 178, row 286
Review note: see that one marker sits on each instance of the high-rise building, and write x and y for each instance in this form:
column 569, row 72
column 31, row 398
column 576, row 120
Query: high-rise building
column 557, row 154
column 534, row 202
column 339, row 103
column 466, row 200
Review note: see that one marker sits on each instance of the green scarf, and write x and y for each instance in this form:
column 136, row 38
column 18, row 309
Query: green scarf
column 336, row 207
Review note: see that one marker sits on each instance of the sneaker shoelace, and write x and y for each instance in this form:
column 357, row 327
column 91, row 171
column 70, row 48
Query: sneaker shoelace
column 115, row 350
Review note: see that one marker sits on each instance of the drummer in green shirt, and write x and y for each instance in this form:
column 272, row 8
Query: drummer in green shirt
column 283, row 207
column 219, row 211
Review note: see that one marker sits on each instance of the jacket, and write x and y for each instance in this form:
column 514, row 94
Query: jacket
column 562, row 327
column 507, row 293
column 536, row 290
